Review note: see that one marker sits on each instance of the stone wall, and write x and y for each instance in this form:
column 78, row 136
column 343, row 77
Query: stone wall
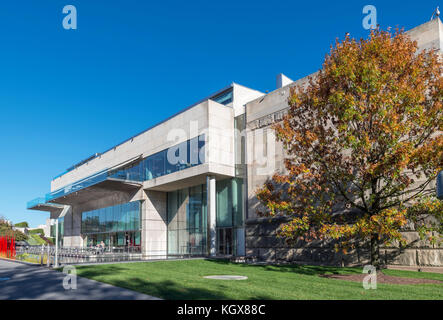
column 262, row 242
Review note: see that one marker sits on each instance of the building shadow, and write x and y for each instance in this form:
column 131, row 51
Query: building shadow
column 310, row 270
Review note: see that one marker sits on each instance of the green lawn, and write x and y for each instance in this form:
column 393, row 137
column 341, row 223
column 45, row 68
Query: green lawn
column 35, row 240
column 183, row 279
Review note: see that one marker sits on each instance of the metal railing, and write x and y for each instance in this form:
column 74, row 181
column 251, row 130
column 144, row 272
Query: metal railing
column 46, row 255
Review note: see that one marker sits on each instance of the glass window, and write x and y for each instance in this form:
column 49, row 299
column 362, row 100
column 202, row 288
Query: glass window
column 201, row 149
column 176, row 158
column 95, row 222
column 137, row 238
column 121, row 239
column 132, row 172
column 122, row 217
column 155, row 165
column 122, row 225
column 135, row 216
column 115, row 217
column 87, row 222
column 108, row 219
column 224, row 98
column 229, row 202
column 181, row 156
column 128, row 214
column 101, row 218
column 195, row 209
column 187, row 221
column 224, row 204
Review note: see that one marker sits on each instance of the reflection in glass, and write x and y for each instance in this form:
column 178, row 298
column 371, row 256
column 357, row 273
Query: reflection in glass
column 179, row 157
column 230, row 202
column 187, row 221
column 122, row 217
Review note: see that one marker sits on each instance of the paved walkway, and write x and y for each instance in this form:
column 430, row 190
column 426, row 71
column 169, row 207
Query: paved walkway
column 20, row 281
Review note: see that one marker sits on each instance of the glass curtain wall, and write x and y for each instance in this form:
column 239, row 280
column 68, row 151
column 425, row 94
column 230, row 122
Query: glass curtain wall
column 184, row 155
column 229, row 214
column 181, row 156
column 61, row 230
column 224, row 97
column 187, row 218
column 116, row 226
column 229, row 202
column 187, row 212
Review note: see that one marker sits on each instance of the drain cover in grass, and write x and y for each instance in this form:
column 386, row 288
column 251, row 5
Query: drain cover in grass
column 226, row 277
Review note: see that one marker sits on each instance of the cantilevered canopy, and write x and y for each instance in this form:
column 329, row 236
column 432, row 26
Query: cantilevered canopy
column 125, row 177
column 97, row 191
column 50, row 207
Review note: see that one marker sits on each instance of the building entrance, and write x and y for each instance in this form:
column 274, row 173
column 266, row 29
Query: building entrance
column 225, row 241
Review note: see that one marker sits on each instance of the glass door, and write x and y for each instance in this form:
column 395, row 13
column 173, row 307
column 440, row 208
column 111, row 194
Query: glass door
column 224, row 241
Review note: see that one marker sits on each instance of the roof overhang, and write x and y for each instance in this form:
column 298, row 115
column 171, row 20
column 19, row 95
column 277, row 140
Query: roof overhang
column 187, row 178
column 49, row 207
column 98, row 191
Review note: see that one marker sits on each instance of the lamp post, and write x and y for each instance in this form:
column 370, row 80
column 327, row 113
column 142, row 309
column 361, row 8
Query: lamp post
column 56, row 242
column 48, row 262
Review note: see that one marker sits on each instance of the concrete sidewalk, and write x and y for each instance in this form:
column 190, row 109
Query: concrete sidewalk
column 20, row 281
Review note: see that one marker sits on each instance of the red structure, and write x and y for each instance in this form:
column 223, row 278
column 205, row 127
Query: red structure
column 7, row 247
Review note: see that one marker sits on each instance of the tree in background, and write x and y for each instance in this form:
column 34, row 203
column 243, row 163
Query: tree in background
column 6, row 230
column 37, row 231
column 363, row 142
column 23, row 224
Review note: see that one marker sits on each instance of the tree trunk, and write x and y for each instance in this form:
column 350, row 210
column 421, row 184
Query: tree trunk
column 375, row 251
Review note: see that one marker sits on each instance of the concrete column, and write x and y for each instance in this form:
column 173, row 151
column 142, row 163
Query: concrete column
column 154, row 225
column 72, row 227
column 211, row 194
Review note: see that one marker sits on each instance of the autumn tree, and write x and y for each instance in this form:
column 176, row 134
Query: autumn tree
column 7, row 230
column 363, row 144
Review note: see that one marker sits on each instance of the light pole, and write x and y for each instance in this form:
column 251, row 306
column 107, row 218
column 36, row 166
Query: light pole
column 56, row 244
column 48, row 262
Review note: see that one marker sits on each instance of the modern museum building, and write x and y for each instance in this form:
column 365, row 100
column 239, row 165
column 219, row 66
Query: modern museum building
column 186, row 186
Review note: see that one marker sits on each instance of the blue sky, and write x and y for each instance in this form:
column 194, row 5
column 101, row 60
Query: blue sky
column 66, row 94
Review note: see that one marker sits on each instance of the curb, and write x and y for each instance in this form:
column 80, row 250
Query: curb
column 22, row 262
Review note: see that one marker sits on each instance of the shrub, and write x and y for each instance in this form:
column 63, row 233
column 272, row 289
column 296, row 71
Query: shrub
column 37, row 231
column 23, row 224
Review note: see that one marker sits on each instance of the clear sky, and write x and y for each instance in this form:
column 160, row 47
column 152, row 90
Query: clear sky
column 66, row 94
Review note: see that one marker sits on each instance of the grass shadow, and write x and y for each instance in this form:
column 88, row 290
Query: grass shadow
column 168, row 289
column 294, row 268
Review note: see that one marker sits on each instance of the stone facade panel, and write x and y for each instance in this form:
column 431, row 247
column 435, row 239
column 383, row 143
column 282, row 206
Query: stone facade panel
column 430, row 257
column 406, row 257
column 262, row 242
